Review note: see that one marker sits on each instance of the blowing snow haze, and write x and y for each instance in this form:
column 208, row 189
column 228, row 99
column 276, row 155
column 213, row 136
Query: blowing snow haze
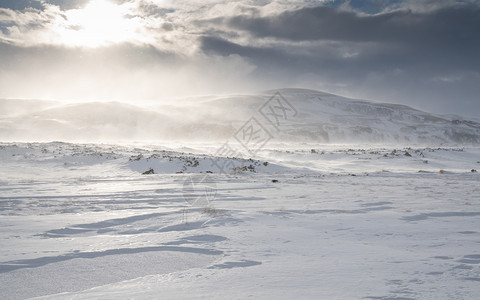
column 319, row 118
column 148, row 53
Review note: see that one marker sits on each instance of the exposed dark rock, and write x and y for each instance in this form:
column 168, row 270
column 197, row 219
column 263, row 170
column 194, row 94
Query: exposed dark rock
column 148, row 172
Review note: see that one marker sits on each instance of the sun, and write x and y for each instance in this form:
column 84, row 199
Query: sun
column 99, row 23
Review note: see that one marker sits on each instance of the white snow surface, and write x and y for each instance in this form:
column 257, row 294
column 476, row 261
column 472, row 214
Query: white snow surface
column 303, row 221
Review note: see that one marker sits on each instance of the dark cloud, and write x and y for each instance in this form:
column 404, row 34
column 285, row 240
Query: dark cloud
column 381, row 6
column 21, row 4
column 457, row 24
column 367, row 6
column 68, row 4
column 447, row 38
column 286, row 60
column 219, row 46
column 40, row 4
column 440, row 41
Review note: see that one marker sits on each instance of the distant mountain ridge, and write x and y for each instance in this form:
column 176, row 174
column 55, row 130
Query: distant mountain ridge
column 320, row 118
column 340, row 119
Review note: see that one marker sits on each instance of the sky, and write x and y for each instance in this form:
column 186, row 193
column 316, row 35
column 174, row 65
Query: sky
column 423, row 53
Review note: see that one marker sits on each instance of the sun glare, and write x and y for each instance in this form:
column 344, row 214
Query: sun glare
column 99, row 23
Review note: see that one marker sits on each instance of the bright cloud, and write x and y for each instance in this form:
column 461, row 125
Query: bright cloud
column 99, row 23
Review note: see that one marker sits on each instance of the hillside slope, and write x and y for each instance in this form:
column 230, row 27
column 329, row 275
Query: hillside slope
column 312, row 117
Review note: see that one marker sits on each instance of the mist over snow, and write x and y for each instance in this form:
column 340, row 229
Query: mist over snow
column 321, row 118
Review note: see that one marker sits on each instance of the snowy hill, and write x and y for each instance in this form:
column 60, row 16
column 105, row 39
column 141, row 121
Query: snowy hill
column 331, row 118
column 319, row 118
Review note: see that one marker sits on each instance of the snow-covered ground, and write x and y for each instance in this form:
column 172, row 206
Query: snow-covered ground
column 81, row 221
